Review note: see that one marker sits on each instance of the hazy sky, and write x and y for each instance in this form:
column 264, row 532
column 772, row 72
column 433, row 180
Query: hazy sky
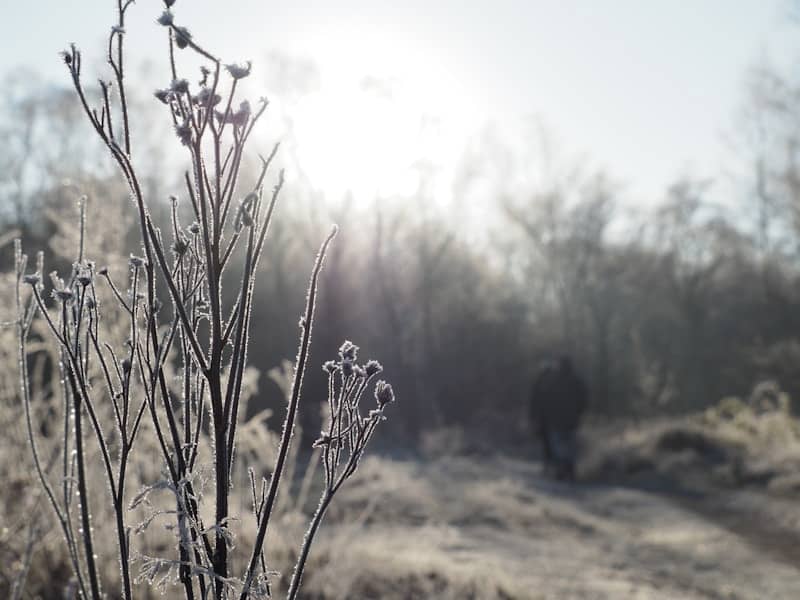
column 645, row 88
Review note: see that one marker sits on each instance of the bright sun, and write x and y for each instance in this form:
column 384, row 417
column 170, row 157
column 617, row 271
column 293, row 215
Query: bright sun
column 381, row 110
column 352, row 139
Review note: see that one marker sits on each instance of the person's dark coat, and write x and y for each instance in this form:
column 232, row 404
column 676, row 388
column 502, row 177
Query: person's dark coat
column 558, row 401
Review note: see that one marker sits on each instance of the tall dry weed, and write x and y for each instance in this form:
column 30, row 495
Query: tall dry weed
column 148, row 358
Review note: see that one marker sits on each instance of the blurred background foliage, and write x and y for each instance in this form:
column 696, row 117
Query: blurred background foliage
column 665, row 308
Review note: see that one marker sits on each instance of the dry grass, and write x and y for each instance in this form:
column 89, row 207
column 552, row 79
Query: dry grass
column 732, row 444
column 491, row 527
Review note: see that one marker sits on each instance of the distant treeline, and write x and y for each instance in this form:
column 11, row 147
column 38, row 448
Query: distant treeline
column 667, row 311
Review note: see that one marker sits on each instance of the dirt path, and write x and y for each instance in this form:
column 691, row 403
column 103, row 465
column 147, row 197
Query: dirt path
column 769, row 525
column 652, row 545
column 674, row 543
column 518, row 535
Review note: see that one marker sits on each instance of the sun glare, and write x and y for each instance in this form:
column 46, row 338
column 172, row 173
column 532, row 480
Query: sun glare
column 381, row 111
column 352, row 139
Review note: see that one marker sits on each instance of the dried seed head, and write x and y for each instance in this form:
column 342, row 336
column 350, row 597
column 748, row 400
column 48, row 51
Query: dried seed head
column 64, row 295
column 163, row 95
column 239, row 71
column 182, row 37
column 373, row 367
column 206, row 98
column 117, row 29
column 179, row 86
column 166, row 18
column 244, row 110
column 238, row 118
column 126, row 365
column 102, row 271
column 169, row 3
column 194, row 228
column 384, row 393
column 90, row 303
column 32, row 279
column 184, row 133
column 180, row 246
column 347, row 368
column 348, row 351
column 84, row 275
column 330, row 367
column 136, row 262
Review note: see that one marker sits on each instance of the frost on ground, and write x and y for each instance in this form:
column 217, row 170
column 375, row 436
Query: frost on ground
column 494, row 528
column 658, row 514
column 686, row 508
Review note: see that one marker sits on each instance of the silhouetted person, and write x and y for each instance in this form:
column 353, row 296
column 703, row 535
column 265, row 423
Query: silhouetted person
column 558, row 400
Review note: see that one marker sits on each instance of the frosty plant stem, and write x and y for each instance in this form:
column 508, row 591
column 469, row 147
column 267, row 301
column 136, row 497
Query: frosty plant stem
column 346, row 437
column 200, row 332
column 265, row 510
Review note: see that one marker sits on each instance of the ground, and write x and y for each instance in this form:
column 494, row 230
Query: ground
column 494, row 527
column 706, row 506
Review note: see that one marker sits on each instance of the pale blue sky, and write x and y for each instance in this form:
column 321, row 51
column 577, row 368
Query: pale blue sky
column 646, row 88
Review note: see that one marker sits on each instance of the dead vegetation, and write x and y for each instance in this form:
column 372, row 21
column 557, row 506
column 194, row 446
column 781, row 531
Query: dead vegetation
column 735, row 443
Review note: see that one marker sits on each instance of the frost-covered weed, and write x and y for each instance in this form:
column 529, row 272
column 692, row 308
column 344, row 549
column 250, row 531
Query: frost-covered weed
column 152, row 358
